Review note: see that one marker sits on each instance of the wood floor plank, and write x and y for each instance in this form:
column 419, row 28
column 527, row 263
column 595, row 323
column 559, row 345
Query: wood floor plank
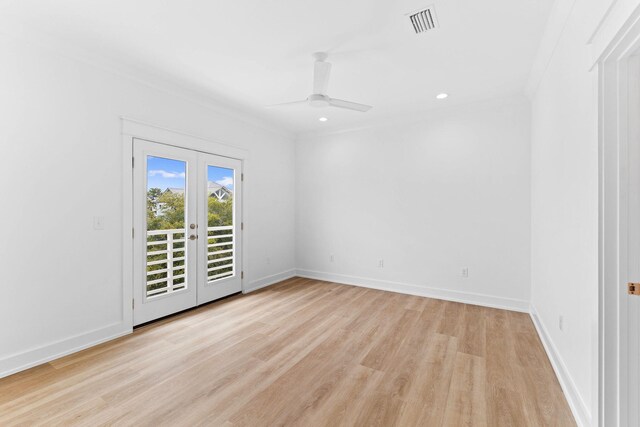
column 344, row 404
column 426, row 399
column 505, row 408
column 303, row 353
column 466, row 401
column 472, row 331
column 411, row 352
column 500, row 351
column 383, row 355
column 379, row 410
column 452, row 318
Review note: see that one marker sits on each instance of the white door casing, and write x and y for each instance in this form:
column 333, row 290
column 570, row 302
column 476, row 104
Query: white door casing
column 619, row 243
column 630, row 304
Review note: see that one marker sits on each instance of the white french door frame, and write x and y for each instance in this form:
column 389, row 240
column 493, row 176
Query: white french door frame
column 136, row 129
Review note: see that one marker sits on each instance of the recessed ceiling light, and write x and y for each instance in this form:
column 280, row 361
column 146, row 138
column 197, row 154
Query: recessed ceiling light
column 442, row 96
column 323, row 119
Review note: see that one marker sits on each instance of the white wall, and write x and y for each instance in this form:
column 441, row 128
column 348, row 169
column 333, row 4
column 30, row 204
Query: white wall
column 61, row 165
column 564, row 258
column 460, row 189
column 429, row 198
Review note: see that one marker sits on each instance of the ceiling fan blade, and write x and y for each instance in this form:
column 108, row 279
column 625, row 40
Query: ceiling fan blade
column 288, row 104
column 349, row 105
column 321, row 72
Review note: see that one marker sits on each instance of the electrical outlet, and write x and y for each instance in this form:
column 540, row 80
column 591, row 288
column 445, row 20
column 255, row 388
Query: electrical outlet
column 381, row 263
column 98, row 223
column 268, row 260
column 561, row 322
column 331, row 258
column 465, row 272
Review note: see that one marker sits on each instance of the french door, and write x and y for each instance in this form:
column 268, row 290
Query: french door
column 187, row 245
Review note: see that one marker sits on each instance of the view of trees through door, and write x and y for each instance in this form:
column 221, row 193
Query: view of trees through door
column 167, row 228
column 220, row 235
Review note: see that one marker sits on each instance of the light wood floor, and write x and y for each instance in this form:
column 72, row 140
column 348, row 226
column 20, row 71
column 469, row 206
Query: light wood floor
column 304, row 353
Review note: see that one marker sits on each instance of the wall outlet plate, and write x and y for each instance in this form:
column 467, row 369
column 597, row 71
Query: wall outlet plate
column 98, row 223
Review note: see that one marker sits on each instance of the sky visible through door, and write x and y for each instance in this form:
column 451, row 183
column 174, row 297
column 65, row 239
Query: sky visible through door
column 169, row 173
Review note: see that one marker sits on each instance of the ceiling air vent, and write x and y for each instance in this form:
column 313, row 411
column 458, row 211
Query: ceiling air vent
column 424, row 20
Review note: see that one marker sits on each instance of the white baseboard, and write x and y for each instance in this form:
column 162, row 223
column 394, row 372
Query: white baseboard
column 263, row 282
column 21, row 361
column 33, row 357
column 580, row 411
column 423, row 291
column 46, row 353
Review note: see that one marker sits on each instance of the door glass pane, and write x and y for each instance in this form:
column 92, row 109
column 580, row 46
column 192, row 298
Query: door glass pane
column 220, row 233
column 166, row 226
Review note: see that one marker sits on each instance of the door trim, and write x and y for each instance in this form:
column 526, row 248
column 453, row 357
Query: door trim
column 614, row 68
column 137, row 129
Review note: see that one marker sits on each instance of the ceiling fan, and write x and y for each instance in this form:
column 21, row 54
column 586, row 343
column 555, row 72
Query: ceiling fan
column 319, row 97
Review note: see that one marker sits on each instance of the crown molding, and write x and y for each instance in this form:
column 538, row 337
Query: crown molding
column 613, row 26
column 611, row 20
column 22, row 33
column 556, row 24
column 605, row 10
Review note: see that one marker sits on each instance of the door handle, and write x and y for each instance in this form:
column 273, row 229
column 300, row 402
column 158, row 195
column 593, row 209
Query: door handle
column 193, row 237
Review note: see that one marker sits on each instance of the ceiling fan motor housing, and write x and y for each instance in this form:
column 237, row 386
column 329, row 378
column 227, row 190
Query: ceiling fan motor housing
column 317, row 100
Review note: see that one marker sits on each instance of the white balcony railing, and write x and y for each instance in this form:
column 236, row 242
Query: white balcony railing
column 166, row 258
column 220, row 252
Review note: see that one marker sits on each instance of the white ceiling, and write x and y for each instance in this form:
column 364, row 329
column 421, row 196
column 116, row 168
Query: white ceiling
column 254, row 53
